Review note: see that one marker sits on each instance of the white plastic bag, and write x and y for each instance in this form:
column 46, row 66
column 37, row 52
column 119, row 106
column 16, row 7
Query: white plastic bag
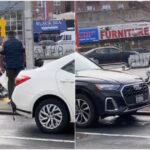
column 4, row 80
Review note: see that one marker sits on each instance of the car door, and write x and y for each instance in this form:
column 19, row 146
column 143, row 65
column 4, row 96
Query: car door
column 116, row 55
column 66, row 83
column 103, row 55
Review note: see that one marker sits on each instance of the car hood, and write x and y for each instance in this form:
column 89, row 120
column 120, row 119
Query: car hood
column 114, row 77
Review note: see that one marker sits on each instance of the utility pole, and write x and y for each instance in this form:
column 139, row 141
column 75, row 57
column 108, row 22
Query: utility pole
column 76, row 28
column 28, row 35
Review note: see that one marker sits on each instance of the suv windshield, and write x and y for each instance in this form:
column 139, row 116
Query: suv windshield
column 82, row 63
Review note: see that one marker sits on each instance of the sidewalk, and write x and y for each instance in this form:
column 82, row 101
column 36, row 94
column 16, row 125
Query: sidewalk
column 5, row 108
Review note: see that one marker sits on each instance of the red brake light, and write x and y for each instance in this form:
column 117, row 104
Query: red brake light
column 22, row 79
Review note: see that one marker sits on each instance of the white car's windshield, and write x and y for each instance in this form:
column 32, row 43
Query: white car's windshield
column 82, row 63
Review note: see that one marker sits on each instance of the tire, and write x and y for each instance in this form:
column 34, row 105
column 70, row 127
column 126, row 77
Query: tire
column 89, row 114
column 45, row 110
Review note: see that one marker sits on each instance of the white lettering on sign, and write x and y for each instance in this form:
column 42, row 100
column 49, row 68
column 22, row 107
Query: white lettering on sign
column 49, row 28
column 48, row 23
column 125, row 31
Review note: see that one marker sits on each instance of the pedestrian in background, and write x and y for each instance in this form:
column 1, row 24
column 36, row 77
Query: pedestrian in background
column 13, row 53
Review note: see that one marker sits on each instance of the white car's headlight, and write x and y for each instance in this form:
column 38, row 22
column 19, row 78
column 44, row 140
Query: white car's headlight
column 107, row 86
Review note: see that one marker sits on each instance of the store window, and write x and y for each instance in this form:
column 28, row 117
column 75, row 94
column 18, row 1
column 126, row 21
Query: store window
column 89, row 8
column 7, row 16
column 13, row 15
column 19, row 25
column 40, row 4
column 19, row 15
column 120, row 6
column 56, row 3
column 106, row 7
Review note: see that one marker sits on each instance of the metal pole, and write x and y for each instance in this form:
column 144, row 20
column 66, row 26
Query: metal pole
column 76, row 28
column 28, row 35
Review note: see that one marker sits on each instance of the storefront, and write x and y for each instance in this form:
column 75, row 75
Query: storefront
column 126, row 36
column 14, row 21
column 48, row 30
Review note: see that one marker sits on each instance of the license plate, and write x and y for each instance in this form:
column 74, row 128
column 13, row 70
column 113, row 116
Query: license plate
column 139, row 98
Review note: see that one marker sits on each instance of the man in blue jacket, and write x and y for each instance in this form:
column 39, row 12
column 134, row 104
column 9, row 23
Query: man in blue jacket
column 13, row 53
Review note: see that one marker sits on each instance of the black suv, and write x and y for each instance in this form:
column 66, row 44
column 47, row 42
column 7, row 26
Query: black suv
column 105, row 93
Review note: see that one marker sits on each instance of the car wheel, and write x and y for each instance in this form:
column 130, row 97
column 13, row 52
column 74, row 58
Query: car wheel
column 51, row 116
column 85, row 112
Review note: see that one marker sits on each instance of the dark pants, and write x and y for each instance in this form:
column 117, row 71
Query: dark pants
column 11, row 74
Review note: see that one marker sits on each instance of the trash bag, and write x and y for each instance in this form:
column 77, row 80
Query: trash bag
column 4, row 80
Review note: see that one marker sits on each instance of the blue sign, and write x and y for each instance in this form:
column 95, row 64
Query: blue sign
column 40, row 26
column 88, row 35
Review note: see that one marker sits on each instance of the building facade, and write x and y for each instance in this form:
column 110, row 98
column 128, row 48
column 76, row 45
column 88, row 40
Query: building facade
column 51, row 8
column 13, row 14
column 109, row 13
column 46, row 11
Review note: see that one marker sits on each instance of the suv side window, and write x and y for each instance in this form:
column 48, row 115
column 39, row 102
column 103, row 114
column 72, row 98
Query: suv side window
column 70, row 67
column 113, row 50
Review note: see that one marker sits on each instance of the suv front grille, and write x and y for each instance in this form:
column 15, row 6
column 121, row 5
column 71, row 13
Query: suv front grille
column 131, row 91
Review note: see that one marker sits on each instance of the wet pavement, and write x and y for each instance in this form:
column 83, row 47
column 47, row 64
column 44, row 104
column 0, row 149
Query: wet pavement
column 116, row 133
column 24, row 134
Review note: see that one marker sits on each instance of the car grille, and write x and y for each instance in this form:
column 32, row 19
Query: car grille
column 131, row 91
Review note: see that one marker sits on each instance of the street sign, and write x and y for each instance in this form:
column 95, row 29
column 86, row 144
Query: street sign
column 3, row 27
column 88, row 35
column 40, row 26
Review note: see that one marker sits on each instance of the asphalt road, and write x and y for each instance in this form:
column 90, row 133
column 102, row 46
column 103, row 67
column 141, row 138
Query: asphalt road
column 116, row 133
column 135, row 71
column 23, row 134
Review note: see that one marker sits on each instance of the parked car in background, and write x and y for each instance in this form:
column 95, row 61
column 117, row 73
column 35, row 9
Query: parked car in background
column 102, row 93
column 110, row 54
column 47, row 94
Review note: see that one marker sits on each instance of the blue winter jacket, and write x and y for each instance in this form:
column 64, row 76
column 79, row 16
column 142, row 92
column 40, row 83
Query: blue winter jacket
column 14, row 54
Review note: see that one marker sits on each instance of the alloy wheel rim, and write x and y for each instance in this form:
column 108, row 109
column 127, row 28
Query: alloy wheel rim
column 82, row 111
column 50, row 116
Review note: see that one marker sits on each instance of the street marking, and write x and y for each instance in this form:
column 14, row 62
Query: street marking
column 36, row 139
column 115, row 135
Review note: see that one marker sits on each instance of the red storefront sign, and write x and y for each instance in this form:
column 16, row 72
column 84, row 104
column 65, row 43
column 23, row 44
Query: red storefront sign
column 126, row 32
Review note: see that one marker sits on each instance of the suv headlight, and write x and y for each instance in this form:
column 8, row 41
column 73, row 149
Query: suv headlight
column 108, row 86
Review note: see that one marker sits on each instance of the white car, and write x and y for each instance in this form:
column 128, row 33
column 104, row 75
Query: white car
column 48, row 94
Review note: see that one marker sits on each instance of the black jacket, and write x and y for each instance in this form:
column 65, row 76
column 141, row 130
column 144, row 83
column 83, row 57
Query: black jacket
column 13, row 52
